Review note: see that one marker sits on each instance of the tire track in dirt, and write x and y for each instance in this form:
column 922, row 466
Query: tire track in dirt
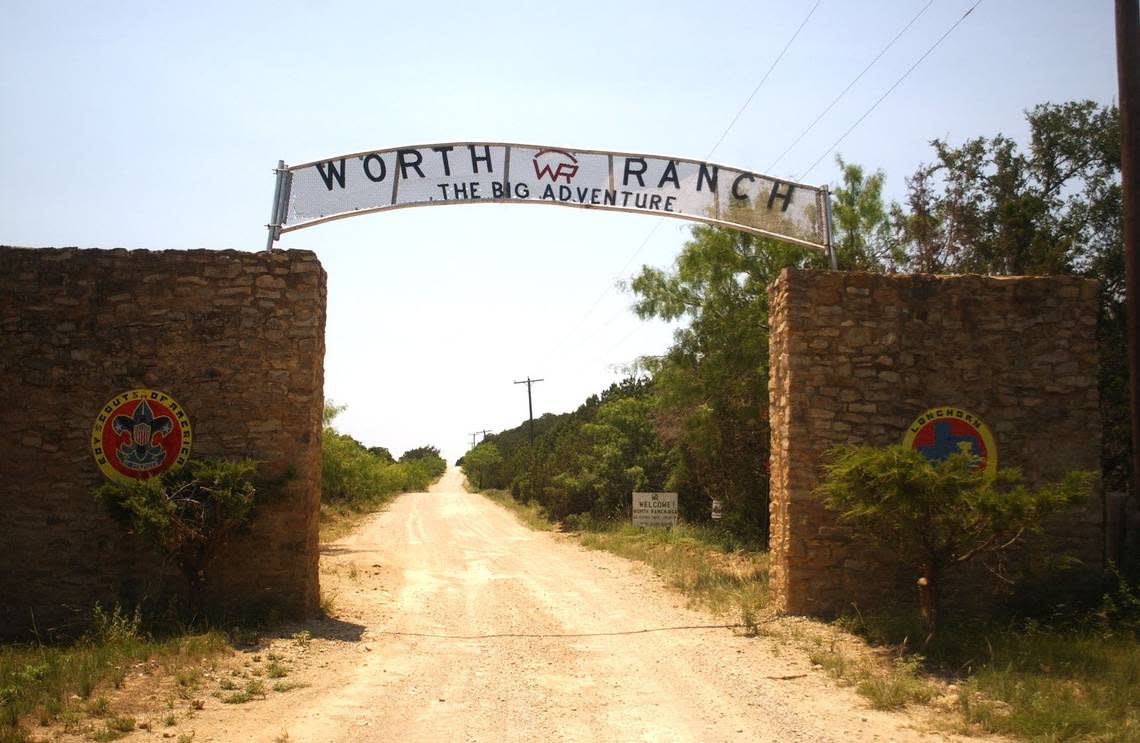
column 457, row 623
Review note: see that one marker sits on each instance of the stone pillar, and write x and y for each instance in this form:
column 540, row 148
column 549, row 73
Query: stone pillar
column 856, row 357
column 236, row 338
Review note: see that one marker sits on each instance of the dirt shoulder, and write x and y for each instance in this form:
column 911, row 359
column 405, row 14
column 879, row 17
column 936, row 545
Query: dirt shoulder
column 455, row 622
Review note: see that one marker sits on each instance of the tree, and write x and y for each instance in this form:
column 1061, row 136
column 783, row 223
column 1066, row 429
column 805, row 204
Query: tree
column 381, row 453
column 330, row 412
column 711, row 386
column 481, row 460
column 618, row 454
column 987, row 206
column 354, row 474
column 936, row 516
column 187, row 512
column 863, row 237
column 420, row 452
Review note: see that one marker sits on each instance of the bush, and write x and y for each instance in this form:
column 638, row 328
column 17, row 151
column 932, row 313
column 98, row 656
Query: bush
column 351, row 472
column 938, row 515
column 187, row 512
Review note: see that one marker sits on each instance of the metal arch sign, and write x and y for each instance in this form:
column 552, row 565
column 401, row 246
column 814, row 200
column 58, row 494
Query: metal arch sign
column 495, row 172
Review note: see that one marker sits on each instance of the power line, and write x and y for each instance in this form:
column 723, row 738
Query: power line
column 850, row 85
column 719, row 140
column 888, row 92
column 636, row 329
column 763, row 79
column 609, row 287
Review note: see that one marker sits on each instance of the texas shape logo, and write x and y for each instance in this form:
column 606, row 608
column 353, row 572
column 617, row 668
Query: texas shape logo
column 940, row 432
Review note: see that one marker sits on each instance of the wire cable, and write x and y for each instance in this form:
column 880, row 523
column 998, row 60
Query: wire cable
column 874, row 105
column 850, row 85
column 609, row 287
column 718, row 143
column 763, row 79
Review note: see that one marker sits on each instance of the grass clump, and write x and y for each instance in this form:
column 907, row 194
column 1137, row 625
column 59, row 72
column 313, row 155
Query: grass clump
column 40, row 680
column 1056, row 685
column 253, row 688
column 1072, row 676
column 896, row 687
column 530, row 514
column 116, row 728
column 99, row 707
column 709, row 565
column 886, row 685
column 693, row 560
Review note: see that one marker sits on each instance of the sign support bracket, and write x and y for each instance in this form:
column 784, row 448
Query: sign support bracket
column 275, row 214
column 826, row 193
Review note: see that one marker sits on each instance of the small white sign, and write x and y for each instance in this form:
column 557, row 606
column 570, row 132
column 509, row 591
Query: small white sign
column 716, row 508
column 655, row 509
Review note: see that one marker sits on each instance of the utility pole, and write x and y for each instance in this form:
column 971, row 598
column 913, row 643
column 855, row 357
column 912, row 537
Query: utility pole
column 1128, row 75
column 483, row 433
column 529, row 404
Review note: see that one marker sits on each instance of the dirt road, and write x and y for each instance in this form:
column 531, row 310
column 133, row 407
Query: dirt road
column 456, row 623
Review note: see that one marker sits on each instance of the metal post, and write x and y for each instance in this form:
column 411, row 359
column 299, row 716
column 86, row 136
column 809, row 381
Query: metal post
column 529, row 405
column 482, row 433
column 827, row 224
column 1128, row 75
column 275, row 213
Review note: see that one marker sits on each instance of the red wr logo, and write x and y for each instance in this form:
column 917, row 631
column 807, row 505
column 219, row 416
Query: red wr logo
column 556, row 158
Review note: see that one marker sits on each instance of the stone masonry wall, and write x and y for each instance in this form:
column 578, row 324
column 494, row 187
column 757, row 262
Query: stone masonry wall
column 236, row 338
column 857, row 357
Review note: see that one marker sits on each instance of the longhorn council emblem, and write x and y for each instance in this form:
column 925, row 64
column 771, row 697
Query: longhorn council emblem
column 139, row 434
column 940, row 432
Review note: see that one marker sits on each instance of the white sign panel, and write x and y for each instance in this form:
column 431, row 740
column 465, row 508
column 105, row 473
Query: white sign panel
column 654, row 509
column 482, row 172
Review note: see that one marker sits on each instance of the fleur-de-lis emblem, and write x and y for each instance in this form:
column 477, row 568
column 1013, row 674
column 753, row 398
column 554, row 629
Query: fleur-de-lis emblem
column 139, row 452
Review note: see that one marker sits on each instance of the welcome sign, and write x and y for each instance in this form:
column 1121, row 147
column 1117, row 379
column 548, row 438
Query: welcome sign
column 484, row 172
column 655, row 509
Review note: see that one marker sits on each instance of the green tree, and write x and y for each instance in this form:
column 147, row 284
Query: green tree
column 330, row 412
column 712, row 384
column 988, row 206
column 936, row 516
column 863, row 238
column 188, row 512
column 478, row 463
column 353, row 473
column 420, row 452
column 382, row 453
column 617, row 453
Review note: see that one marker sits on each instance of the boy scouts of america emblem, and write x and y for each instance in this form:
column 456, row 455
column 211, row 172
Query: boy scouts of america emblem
column 940, row 432
column 139, row 434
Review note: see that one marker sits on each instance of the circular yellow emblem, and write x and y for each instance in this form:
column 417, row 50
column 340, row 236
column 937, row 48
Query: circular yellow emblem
column 940, row 432
column 139, row 434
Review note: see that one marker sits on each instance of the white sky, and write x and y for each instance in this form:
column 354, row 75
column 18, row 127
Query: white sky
column 156, row 125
